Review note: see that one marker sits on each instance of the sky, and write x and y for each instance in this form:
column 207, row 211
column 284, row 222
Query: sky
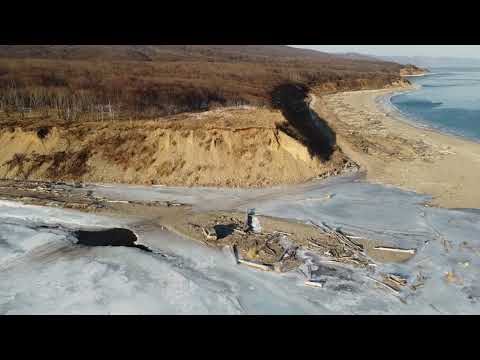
column 463, row 51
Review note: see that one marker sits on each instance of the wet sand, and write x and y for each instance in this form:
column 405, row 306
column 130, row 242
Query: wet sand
column 395, row 152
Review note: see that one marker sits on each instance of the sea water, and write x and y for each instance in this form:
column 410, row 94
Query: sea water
column 448, row 99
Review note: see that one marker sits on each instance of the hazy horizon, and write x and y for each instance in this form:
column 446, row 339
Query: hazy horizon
column 457, row 51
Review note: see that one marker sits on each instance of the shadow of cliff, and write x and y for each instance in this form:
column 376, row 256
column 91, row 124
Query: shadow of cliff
column 303, row 124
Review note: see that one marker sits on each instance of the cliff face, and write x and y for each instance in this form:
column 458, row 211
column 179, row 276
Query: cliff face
column 409, row 70
column 360, row 84
column 234, row 148
column 52, row 121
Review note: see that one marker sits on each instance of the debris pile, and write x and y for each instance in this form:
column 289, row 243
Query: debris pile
column 277, row 250
column 280, row 251
column 261, row 249
column 65, row 195
column 345, row 250
column 55, row 194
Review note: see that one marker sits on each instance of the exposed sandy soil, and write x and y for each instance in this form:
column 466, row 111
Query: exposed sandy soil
column 234, row 147
column 244, row 147
column 397, row 153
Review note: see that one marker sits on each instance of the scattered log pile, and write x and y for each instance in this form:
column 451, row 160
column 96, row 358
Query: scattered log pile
column 55, row 194
column 272, row 251
column 263, row 250
column 61, row 194
column 345, row 251
column 277, row 250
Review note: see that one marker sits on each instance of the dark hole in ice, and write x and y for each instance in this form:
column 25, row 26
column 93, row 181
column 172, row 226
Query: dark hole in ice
column 110, row 237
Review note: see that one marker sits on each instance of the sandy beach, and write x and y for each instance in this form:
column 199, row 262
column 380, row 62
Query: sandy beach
column 395, row 152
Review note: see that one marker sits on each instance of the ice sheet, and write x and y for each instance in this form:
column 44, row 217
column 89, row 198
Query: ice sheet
column 41, row 271
column 54, row 276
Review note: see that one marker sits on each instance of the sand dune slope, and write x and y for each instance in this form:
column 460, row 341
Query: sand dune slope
column 232, row 147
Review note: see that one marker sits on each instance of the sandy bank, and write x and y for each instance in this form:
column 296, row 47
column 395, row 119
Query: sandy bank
column 394, row 152
column 237, row 147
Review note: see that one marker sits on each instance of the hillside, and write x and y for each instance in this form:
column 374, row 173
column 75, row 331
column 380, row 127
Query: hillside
column 231, row 147
column 156, row 80
column 433, row 62
column 221, row 115
column 255, row 53
column 357, row 56
column 412, row 70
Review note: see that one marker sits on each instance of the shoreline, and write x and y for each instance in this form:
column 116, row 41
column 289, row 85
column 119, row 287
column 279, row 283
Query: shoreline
column 396, row 151
column 385, row 104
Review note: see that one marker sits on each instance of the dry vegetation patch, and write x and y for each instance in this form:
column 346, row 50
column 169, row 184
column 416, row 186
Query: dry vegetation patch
column 102, row 83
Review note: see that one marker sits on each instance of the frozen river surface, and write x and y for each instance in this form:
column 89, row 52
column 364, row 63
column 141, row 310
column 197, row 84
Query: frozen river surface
column 43, row 271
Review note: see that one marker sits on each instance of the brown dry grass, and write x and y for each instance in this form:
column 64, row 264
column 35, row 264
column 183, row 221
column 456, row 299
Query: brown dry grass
column 178, row 80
